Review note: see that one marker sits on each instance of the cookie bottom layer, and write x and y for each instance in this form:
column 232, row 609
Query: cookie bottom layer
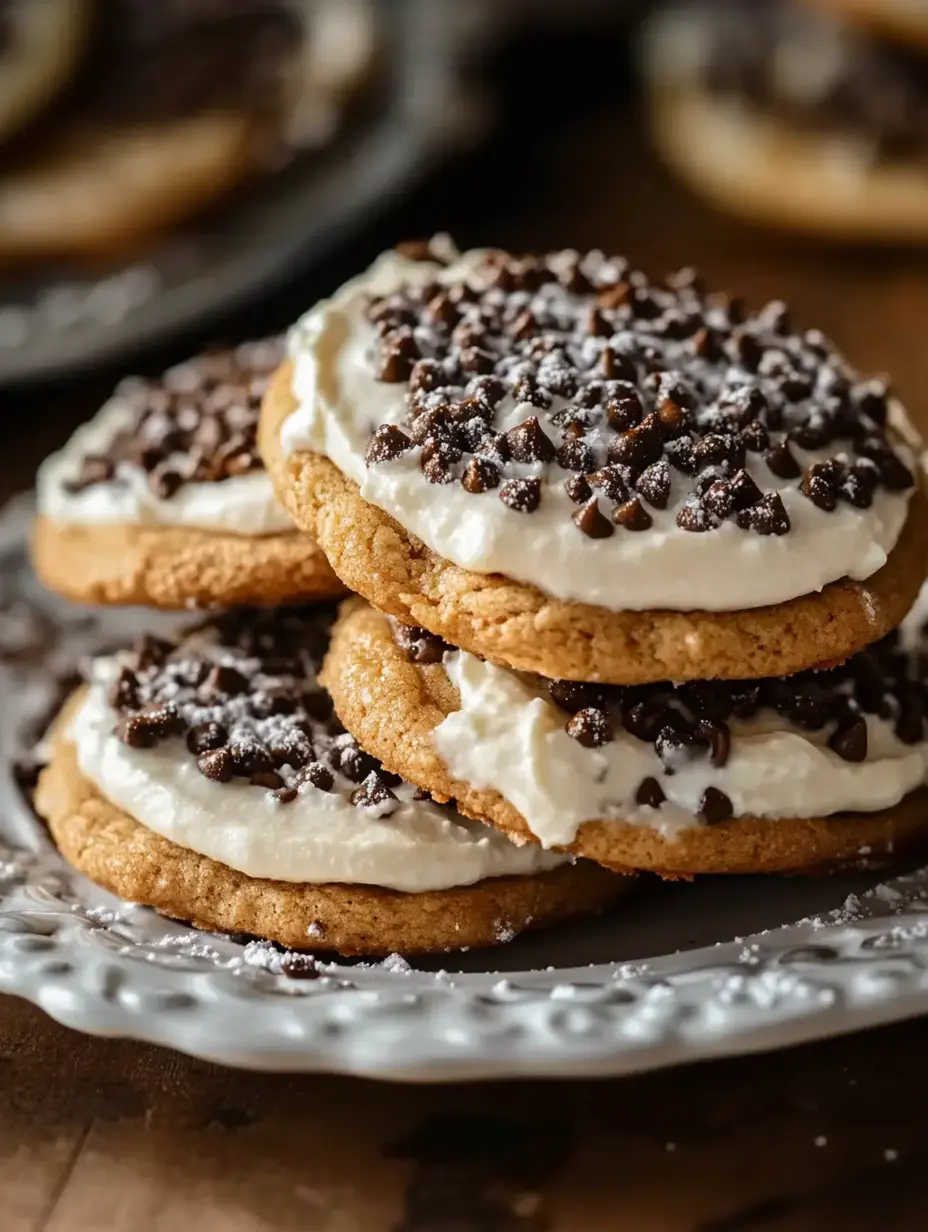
column 136, row 864
column 176, row 567
column 516, row 625
column 392, row 707
column 771, row 173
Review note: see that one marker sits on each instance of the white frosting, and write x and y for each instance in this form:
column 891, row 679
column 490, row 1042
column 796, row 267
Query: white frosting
column 319, row 837
column 241, row 505
column 340, row 403
column 509, row 736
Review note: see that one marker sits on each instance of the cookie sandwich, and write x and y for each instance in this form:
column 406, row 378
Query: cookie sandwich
column 788, row 117
column 172, row 106
column 207, row 777
column 564, row 467
column 797, row 773
column 161, row 499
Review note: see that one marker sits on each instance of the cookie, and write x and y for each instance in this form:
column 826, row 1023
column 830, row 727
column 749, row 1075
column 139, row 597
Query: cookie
column 39, row 47
column 706, row 778
column 792, row 121
column 520, row 626
column 161, row 500
column 174, row 107
column 207, row 777
column 900, row 20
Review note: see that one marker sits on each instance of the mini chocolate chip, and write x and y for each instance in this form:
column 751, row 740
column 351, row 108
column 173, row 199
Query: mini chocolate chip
column 206, row 737
column 522, row 495
column 575, row 695
column 894, row 474
column 528, row 443
column 387, row 443
column 673, row 747
column 266, row 778
column 768, row 516
column 755, row 437
column 849, row 741
column 859, row 485
column 781, row 461
column 165, row 482
column 576, row 455
column 612, row 481
column 435, row 421
column 124, row 691
column 137, row 733
column 715, row 806
column 650, row 794
column 718, row 735
column 638, row 447
column 248, row 757
column 592, row 521
column 394, row 367
column 871, row 398
column 707, row 343
column 217, row 765
column 578, row 489
column 353, row 762
column 225, row 679
column 420, row 645
column 95, row 468
column 719, row 448
column 749, row 350
column 480, row 475
column 695, row 517
column 624, row 410
column 744, row 490
column 654, row 483
column 285, row 795
column 632, row 515
column 374, row 794
column 151, row 651
column 590, row 727
column 818, row 485
column 719, row 498
column 318, row 775
column 645, row 720
column 681, row 454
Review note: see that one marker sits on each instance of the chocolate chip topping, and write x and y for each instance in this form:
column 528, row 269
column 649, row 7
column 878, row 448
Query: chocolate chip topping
column 694, row 721
column 238, row 695
column 874, row 91
column 420, row 645
column 195, row 424
column 577, row 371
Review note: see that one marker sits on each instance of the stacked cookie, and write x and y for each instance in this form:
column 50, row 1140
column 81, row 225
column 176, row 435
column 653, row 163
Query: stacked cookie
column 204, row 773
column 634, row 559
column 806, row 114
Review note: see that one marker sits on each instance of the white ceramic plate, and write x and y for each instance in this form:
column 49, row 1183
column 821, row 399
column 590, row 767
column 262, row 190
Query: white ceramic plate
column 676, row 973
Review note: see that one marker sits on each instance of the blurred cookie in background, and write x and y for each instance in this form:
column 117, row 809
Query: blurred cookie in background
column 776, row 113
column 172, row 107
column 40, row 44
column 905, row 20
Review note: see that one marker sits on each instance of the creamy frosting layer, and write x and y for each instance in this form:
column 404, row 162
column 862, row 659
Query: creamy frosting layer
column 341, row 403
column 241, row 505
column 319, row 837
column 508, row 735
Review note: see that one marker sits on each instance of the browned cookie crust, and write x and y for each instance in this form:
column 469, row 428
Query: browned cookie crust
column 136, row 864
column 516, row 625
column 175, row 567
column 392, row 705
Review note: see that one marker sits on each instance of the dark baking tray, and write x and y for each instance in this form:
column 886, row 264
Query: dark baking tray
column 56, row 322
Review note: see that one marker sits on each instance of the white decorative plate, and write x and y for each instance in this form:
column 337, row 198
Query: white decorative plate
column 676, row 973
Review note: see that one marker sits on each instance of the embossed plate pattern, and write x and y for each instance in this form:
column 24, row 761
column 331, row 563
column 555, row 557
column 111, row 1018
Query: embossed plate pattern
column 106, row 967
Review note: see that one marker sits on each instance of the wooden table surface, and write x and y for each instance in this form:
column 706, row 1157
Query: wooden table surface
column 113, row 1135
